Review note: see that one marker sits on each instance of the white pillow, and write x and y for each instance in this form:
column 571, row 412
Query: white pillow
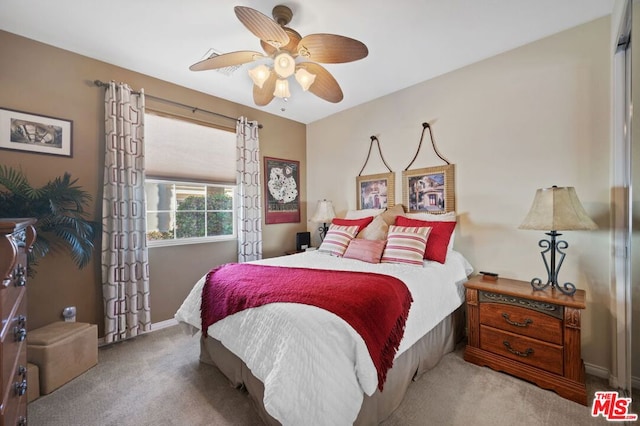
column 444, row 217
column 359, row 214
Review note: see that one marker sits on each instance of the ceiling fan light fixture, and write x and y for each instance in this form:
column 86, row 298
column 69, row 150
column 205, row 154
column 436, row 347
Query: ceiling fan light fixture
column 305, row 78
column 282, row 89
column 284, row 46
column 259, row 75
column 284, row 64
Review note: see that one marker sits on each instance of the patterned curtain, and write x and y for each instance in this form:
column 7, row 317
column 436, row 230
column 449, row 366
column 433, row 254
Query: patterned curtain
column 125, row 260
column 248, row 187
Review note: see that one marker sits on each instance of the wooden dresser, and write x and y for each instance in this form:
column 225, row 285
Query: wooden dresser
column 16, row 238
column 534, row 335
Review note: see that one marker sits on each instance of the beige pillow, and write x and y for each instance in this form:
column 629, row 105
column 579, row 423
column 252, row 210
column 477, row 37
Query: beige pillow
column 376, row 230
column 389, row 216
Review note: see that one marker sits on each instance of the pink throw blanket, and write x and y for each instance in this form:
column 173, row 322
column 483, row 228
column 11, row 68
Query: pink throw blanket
column 375, row 305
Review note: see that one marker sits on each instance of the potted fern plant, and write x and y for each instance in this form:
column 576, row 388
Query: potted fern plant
column 59, row 206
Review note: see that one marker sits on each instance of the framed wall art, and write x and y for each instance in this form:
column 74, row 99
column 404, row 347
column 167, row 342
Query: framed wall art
column 282, row 190
column 22, row 131
column 375, row 191
column 429, row 190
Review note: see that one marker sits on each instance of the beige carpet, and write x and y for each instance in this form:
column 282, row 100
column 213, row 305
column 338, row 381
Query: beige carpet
column 156, row 379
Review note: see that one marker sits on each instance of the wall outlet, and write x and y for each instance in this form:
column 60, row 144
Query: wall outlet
column 69, row 314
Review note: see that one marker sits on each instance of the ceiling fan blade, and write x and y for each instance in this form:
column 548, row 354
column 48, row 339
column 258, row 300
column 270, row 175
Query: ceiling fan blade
column 331, row 48
column 291, row 47
column 324, row 86
column 226, row 60
column 263, row 27
column 262, row 96
column 268, row 49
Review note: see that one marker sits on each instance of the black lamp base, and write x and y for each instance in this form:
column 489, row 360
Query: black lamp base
column 323, row 231
column 552, row 246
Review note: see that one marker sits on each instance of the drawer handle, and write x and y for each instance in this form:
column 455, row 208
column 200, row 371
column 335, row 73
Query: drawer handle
column 22, row 321
column 526, row 353
column 20, row 330
column 20, row 387
column 526, row 322
column 21, row 276
column 19, row 334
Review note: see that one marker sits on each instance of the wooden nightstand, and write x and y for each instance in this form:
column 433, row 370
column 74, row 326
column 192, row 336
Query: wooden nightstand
column 534, row 335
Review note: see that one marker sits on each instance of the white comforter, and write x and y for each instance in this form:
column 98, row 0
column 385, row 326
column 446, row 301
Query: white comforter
column 314, row 366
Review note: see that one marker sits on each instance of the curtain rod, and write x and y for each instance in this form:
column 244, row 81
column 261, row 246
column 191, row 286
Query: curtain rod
column 169, row 101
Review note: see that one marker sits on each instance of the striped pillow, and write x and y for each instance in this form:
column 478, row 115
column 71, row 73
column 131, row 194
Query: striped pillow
column 406, row 244
column 365, row 250
column 337, row 239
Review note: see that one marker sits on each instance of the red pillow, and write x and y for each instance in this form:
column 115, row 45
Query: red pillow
column 360, row 223
column 439, row 237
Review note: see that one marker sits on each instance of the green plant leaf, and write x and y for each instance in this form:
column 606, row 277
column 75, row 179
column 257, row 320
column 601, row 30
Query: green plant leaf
column 60, row 207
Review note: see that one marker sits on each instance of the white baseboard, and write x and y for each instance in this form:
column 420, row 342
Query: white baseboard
column 596, row 370
column 164, row 324
column 154, row 327
column 603, row 373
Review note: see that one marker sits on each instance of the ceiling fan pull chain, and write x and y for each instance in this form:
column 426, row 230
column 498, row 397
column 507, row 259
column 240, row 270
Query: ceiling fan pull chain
column 373, row 138
column 426, row 126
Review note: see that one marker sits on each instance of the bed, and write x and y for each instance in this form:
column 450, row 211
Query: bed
column 303, row 365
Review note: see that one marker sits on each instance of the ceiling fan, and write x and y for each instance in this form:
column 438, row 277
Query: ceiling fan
column 291, row 53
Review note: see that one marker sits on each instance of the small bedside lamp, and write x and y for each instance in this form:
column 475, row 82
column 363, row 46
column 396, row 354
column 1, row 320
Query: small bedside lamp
column 556, row 209
column 324, row 214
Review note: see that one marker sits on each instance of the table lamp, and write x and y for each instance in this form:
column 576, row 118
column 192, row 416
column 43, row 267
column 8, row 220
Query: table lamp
column 324, row 214
column 556, row 209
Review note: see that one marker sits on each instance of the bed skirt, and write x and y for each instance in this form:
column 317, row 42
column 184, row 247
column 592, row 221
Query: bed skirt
column 410, row 365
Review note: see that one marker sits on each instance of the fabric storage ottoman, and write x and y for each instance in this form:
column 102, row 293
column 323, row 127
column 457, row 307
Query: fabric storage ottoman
column 62, row 351
column 33, row 382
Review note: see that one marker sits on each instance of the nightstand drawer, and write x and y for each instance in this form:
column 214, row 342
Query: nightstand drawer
column 534, row 352
column 523, row 321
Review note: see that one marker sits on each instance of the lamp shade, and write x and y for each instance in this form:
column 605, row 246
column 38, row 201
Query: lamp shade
column 284, row 64
column 557, row 209
column 324, row 212
column 305, row 78
column 259, row 75
column 282, row 89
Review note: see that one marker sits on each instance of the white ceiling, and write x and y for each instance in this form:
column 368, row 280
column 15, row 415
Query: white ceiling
column 409, row 41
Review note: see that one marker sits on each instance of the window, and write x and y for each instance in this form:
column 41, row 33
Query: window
column 186, row 210
column 190, row 181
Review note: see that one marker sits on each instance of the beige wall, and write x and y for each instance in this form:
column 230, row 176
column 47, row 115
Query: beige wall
column 38, row 78
column 529, row 118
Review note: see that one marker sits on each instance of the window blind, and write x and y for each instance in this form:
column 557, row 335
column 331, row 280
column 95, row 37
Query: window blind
column 180, row 149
